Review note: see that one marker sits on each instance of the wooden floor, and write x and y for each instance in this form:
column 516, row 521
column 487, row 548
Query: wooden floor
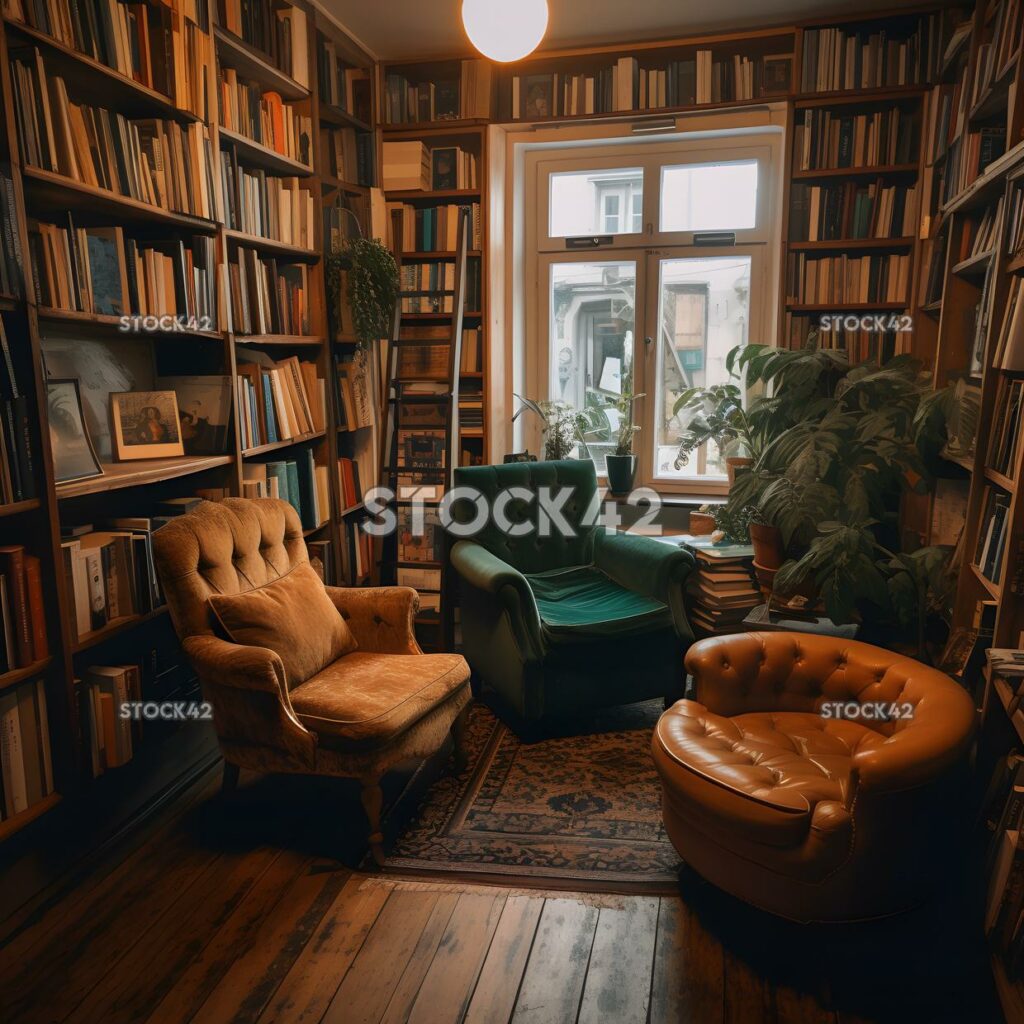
column 226, row 914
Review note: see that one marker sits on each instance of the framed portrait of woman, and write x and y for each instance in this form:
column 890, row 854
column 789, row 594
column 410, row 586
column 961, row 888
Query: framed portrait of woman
column 74, row 457
column 145, row 425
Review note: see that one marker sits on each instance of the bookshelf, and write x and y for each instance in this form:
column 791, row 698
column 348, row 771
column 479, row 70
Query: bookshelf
column 270, row 130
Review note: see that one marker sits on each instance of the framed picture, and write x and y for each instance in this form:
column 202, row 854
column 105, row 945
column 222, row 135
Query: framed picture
column 145, row 425
column 778, row 74
column 537, row 96
column 74, row 457
column 204, row 412
column 444, row 161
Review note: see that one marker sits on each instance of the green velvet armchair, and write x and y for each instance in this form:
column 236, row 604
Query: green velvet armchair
column 559, row 624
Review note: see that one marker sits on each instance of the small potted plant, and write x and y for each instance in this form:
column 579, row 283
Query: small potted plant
column 702, row 522
column 717, row 415
column 561, row 429
column 366, row 272
column 621, row 464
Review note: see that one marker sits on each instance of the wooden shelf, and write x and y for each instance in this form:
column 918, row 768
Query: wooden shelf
column 1000, row 480
column 62, row 192
column 110, row 322
column 973, row 266
column 351, row 510
column 467, row 315
column 115, row 628
column 118, row 475
column 1016, row 265
column 414, row 194
column 421, row 255
column 297, row 252
column 288, row 340
column 839, row 245
column 330, row 183
column 995, row 591
column 332, row 115
column 251, row 63
column 258, row 155
column 130, row 96
column 276, row 446
column 17, row 508
column 853, row 307
column 316, row 529
column 419, row 127
column 857, row 97
column 879, row 171
column 17, row 676
column 14, row 824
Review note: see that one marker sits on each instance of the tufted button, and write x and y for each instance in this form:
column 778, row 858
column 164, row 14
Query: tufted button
column 377, row 620
column 346, row 615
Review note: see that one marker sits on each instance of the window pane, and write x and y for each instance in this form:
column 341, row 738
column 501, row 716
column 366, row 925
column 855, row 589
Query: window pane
column 709, row 197
column 703, row 312
column 578, row 199
column 592, row 309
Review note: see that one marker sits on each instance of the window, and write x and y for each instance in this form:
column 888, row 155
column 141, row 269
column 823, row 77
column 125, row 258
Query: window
column 626, row 294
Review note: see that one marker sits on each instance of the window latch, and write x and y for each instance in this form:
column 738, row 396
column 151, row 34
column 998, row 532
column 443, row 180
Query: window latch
column 588, row 241
column 714, row 238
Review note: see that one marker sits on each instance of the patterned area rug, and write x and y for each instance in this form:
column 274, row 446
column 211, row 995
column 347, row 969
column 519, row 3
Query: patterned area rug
column 582, row 809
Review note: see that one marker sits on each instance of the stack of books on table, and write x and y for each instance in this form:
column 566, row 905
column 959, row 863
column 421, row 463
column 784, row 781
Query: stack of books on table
column 722, row 588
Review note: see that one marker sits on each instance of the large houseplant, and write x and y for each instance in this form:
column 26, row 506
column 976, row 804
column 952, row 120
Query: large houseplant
column 362, row 273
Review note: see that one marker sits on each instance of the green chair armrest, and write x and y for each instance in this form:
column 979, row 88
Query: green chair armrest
column 479, row 568
column 649, row 567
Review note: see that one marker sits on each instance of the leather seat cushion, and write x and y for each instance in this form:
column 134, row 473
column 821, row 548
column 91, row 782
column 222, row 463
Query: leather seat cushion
column 366, row 698
column 582, row 601
column 786, row 762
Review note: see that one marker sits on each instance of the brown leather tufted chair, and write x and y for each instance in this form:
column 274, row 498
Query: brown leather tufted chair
column 814, row 818
column 384, row 703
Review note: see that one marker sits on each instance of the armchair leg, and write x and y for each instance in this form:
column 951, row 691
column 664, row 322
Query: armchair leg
column 229, row 782
column 373, row 798
column 460, row 735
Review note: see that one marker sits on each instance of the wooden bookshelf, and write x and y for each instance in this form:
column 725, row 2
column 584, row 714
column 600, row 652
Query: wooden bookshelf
column 133, row 487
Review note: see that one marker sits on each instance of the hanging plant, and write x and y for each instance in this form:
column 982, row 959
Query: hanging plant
column 372, row 287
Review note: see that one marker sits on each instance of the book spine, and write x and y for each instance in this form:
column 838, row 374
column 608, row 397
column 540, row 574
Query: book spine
column 36, row 610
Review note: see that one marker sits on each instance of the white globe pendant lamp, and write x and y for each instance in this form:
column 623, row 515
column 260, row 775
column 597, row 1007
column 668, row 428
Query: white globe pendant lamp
column 505, row 30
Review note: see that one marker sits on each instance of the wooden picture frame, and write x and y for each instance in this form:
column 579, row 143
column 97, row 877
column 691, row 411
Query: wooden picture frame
column 145, row 425
column 74, row 457
column 778, row 74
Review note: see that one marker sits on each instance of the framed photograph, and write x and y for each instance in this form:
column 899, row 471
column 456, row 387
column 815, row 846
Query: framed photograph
column 204, row 412
column 145, row 425
column 444, row 163
column 778, row 74
column 537, row 93
column 74, row 457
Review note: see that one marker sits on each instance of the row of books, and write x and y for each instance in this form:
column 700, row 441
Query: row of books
column 434, row 228
column 852, row 210
column 25, row 761
column 268, row 296
column 17, row 445
column 838, row 59
column 349, row 485
column 98, row 270
column 860, row 344
column 21, row 609
column 467, row 97
column 11, row 272
column 858, row 279
column 427, row 286
column 322, row 560
column 278, row 401
column 980, row 236
column 994, row 527
column 967, row 158
column 264, row 117
column 359, row 555
column 301, row 481
column 348, row 155
column 945, row 116
column 154, row 161
column 413, row 166
column 982, row 314
column 1015, row 220
column 109, row 572
column 340, row 84
column 262, row 204
column 109, row 737
column 1004, row 441
column 723, row 590
column 281, row 32
column 164, row 49
column 994, row 54
column 825, row 139
column 353, row 394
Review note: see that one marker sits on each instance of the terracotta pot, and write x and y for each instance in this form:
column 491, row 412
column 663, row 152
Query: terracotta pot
column 766, row 577
column 734, row 462
column 767, row 541
column 621, row 471
column 701, row 524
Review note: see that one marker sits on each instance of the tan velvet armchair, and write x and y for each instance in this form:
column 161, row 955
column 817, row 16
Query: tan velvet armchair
column 385, row 703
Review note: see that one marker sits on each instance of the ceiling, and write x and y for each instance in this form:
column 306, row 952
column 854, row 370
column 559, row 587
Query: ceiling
column 431, row 28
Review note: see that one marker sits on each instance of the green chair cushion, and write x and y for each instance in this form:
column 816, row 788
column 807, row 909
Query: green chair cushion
column 582, row 602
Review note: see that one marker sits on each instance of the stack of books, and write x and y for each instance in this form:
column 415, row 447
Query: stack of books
column 24, row 749
column 278, row 401
column 406, row 166
column 268, row 296
column 299, row 481
column 723, row 588
column 23, row 639
column 110, row 738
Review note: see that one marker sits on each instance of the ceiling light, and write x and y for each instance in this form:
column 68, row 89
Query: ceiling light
column 505, row 30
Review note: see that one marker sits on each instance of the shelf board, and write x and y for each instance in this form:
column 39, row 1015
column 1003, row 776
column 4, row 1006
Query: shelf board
column 351, row 510
column 877, row 171
column 290, row 340
column 132, row 97
column 973, row 266
column 251, row 63
column 276, row 446
column 1016, row 265
column 445, row 254
column 315, row 529
column 1000, row 480
column 856, row 97
column 9, row 303
column 467, row 315
column 118, row 475
column 330, row 183
column 829, row 307
column 841, row 244
column 333, row 115
column 109, row 321
column 994, row 589
column 986, row 187
column 429, row 194
column 16, row 508
column 14, row 824
column 271, row 245
column 115, row 627
column 259, row 155
column 17, row 676
column 932, row 309
column 436, row 126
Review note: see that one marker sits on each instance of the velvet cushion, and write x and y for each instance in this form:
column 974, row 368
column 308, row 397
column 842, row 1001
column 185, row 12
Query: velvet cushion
column 371, row 698
column 293, row 617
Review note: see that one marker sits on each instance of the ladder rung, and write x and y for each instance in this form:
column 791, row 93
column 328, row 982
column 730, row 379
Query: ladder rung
column 424, row 291
column 420, row 399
